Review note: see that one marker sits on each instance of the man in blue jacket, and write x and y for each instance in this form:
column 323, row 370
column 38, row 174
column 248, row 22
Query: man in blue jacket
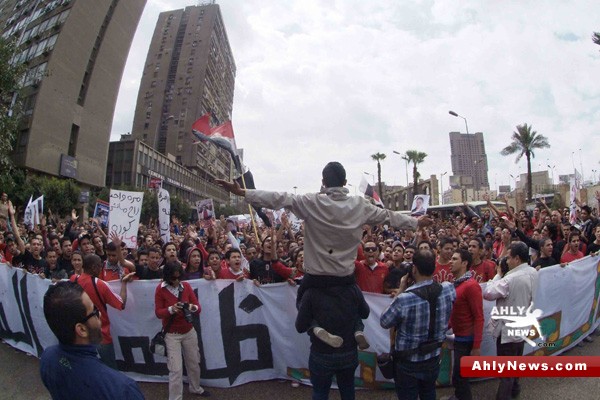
column 72, row 370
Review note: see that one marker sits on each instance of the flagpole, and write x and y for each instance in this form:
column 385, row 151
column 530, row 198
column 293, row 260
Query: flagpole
column 251, row 212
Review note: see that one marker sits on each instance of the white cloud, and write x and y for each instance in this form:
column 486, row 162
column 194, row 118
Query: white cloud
column 341, row 80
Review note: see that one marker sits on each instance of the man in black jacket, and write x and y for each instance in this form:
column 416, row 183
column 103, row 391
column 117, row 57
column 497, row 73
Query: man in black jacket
column 332, row 308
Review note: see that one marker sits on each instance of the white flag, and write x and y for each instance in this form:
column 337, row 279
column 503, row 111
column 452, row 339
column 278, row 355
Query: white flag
column 164, row 215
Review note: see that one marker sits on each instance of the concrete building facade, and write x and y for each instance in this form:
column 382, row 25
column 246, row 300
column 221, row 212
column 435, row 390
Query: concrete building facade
column 469, row 160
column 189, row 71
column 401, row 198
column 75, row 52
column 132, row 162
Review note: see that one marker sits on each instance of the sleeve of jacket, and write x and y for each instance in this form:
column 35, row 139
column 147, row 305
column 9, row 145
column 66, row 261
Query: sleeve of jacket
column 161, row 308
column 363, row 307
column 376, row 216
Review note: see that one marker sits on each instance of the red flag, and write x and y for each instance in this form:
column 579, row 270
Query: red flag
column 221, row 136
column 202, row 124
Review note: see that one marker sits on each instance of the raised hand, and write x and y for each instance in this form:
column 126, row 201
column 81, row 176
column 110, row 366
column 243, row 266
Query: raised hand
column 128, row 277
column 232, row 187
column 115, row 239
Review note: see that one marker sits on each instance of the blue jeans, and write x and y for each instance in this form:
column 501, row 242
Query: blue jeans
column 462, row 388
column 416, row 379
column 324, row 366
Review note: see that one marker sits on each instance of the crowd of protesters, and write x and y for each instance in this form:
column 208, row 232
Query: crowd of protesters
column 465, row 247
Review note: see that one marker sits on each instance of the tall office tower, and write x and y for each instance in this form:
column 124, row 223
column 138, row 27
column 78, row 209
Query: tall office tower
column 469, row 160
column 189, row 72
column 75, row 53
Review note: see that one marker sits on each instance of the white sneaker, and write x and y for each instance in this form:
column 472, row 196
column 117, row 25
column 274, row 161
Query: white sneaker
column 332, row 340
column 361, row 340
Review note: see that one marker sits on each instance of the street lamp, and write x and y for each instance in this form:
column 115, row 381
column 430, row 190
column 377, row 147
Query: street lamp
column 372, row 175
column 460, row 116
column 406, row 160
column 442, row 187
column 295, row 187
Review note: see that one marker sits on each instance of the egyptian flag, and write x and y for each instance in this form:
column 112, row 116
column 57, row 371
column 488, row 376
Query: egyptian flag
column 249, row 184
column 369, row 191
column 221, row 136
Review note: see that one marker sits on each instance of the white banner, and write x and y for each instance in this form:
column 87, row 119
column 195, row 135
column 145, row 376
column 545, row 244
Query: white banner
column 124, row 215
column 247, row 333
column 164, row 215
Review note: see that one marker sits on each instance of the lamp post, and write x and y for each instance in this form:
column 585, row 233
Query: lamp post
column 442, row 187
column 295, row 187
column 460, row 116
column 406, row 161
column 372, row 176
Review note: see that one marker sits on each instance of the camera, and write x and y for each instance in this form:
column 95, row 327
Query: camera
column 187, row 313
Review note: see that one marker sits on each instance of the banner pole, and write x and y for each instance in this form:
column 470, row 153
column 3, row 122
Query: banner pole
column 251, row 214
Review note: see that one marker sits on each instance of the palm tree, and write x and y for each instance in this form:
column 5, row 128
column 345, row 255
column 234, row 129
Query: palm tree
column 524, row 142
column 416, row 157
column 379, row 157
column 596, row 38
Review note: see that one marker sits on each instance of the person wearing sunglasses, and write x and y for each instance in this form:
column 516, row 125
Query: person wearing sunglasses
column 72, row 369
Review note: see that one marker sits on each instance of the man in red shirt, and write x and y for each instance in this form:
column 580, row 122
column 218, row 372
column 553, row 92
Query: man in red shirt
column 572, row 252
column 483, row 270
column 466, row 319
column 102, row 297
column 234, row 268
column 116, row 266
column 371, row 272
column 443, row 263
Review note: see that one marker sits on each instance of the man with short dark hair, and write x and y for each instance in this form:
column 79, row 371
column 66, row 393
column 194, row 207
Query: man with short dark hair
column 545, row 259
column 115, row 266
column 515, row 291
column 466, row 319
column 152, row 270
column 483, row 270
column 71, row 369
column 370, row 272
column 443, row 263
column 64, row 262
column 420, row 314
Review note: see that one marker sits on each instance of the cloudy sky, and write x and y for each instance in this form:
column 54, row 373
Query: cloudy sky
column 343, row 79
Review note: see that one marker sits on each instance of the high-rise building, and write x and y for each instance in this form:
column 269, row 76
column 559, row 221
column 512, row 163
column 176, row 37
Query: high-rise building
column 75, row 53
column 189, row 72
column 469, row 161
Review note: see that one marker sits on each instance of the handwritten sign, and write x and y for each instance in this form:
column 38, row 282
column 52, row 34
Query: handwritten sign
column 164, row 215
column 124, row 215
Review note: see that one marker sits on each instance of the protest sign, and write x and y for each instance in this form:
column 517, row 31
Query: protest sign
column 124, row 215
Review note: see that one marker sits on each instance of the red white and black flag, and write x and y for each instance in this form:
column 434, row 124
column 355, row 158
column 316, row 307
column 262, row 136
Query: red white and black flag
column 222, row 136
column 369, row 191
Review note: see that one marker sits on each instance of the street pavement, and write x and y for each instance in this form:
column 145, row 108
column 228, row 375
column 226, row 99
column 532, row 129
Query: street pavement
column 19, row 380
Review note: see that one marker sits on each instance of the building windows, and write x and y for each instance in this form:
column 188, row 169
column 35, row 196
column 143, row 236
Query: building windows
column 73, row 140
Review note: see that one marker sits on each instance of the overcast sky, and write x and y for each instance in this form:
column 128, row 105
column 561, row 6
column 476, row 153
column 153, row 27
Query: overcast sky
column 340, row 80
